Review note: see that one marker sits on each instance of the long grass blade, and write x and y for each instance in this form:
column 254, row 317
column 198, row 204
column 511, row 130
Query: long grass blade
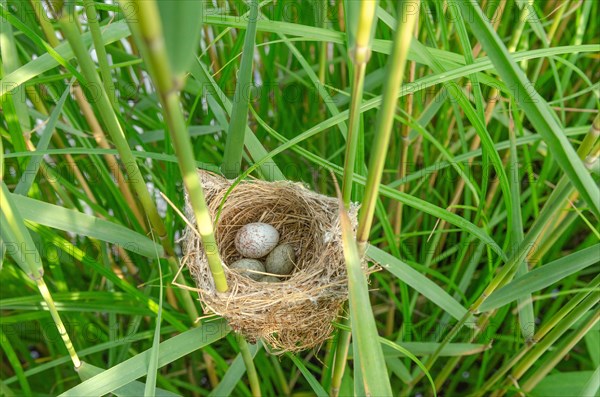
column 26, row 254
column 314, row 383
column 135, row 388
column 33, row 167
column 526, row 314
column 269, row 169
column 372, row 363
column 542, row 277
column 150, row 386
column 86, row 225
column 419, row 282
column 232, row 156
column 234, row 374
column 181, row 23
column 136, row 367
column 16, row 236
column 13, row 360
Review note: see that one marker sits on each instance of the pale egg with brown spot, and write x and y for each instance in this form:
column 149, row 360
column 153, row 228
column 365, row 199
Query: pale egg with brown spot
column 256, row 240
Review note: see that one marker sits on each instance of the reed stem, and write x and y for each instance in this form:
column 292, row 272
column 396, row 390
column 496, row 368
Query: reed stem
column 385, row 119
column 385, row 116
column 62, row 330
column 94, row 26
column 149, row 26
column 359, row 55
column 250, row 368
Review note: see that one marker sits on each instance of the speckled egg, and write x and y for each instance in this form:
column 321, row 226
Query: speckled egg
column 245, row 264
column 281, row 260
column 269, row 279
column 256, row 240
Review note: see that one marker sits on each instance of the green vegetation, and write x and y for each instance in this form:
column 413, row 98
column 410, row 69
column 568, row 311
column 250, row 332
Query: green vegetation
column 468, row 131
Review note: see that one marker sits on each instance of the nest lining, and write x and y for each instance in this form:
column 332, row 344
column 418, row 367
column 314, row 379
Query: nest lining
column 291, row 315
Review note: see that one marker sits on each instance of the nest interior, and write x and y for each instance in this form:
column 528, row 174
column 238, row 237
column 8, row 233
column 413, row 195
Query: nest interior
column 291, row 315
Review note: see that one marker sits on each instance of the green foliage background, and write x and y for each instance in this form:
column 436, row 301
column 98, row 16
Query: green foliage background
column 485, row 222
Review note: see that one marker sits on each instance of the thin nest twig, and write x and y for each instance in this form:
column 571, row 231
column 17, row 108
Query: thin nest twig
column 296, row 313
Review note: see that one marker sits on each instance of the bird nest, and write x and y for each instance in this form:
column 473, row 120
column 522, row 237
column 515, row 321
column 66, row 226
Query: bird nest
column 296, row 313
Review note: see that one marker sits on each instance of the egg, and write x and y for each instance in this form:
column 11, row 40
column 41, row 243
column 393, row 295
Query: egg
column 245, row 264
column 256, row 240
column 269, row 279
column 281, row 260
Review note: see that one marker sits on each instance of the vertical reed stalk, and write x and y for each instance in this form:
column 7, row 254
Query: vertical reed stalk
column 383, row 128
column 405, row 142
column 250, row 368
column 321, row 17
column 359, row 55
column 151, row 33
column 94, row 26
column 402, row 172
column 407, row 17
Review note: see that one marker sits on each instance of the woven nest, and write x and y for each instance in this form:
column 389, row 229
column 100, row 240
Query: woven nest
column 292, row 315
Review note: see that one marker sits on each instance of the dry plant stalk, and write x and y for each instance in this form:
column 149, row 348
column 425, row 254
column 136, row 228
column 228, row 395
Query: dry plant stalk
column 296, row 313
